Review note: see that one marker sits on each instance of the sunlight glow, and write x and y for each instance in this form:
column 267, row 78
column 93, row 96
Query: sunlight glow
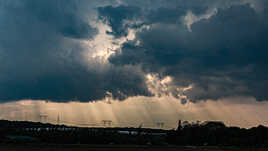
column 191, row 18
column 239, row 111
column 103, row 45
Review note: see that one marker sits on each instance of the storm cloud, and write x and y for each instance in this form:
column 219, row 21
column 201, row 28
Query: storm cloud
column 216, row 48
column 222, row 54
column 42, row 55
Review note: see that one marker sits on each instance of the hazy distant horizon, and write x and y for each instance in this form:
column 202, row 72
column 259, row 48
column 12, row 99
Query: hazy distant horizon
column 246, row 113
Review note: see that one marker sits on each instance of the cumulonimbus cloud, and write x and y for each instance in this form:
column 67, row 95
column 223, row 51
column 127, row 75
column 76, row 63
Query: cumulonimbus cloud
column 223, row 55
column 42, row 54
column 42, row 48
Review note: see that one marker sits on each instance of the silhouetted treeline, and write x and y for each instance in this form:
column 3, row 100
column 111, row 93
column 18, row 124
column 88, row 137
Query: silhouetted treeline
column 197, row 134
column 216, row 133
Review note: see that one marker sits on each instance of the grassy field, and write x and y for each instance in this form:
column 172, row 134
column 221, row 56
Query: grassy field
column 46, row 147
column 49, row 147
column 247, row 149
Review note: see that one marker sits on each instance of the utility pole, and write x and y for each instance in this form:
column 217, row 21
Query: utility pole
column 58, row 120
column 160, row 124
column 43, row 118
column 107, row 123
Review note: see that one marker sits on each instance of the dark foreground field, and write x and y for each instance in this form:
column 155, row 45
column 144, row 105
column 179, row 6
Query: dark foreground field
column 46, row 147
column 30, row 136
column 21, row 147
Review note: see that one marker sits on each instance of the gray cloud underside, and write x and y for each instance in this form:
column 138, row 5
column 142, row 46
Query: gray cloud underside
column 225, row 55
column 41, row 55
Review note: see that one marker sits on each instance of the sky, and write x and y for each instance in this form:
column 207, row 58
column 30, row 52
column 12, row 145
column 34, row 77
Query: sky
column 134, row 61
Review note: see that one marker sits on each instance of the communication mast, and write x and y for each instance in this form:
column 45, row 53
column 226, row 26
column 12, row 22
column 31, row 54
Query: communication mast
column 43, row 118
column 107, row 123
column 160, row 124
column 58, row 119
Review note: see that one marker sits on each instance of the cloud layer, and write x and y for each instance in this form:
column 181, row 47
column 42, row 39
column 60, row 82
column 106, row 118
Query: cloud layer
column 42, row 54
column 217, row 48
column 222, row 54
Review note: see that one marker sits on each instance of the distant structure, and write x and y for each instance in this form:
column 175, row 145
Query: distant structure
column 107, row 123
column 43, row 118
column 140, row 126
column 58, row 119
column 160, row 124
column 179, row 126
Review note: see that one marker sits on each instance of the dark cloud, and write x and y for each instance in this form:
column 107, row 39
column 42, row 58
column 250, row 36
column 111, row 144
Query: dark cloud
column 115, row 17
column 220, row 53
column 75, row 84
column 222, row 56
column 42, row 57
